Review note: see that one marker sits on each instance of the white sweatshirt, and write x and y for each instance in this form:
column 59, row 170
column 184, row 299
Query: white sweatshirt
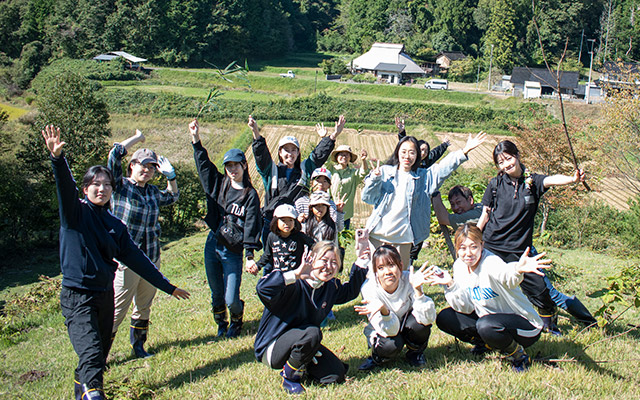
column 491, row 289
column 398, row 303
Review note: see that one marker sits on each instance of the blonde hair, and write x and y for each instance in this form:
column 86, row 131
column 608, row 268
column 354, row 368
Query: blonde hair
column 470, row 231
column 323, row 247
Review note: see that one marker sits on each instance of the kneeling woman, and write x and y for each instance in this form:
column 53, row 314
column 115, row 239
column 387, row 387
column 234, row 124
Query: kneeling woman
column 399, row 313
column 296, row 302
column 488, row 307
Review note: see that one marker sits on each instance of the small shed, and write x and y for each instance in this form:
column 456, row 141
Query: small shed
column 445, row 58
column 134, row 62
column 532, row 90
column 547, row 79
column 392, row 73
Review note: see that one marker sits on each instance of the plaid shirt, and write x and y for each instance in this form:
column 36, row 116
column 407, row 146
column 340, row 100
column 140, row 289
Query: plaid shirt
column 138, row 207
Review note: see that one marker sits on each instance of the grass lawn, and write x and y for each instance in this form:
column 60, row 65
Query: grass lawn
column 191, row 363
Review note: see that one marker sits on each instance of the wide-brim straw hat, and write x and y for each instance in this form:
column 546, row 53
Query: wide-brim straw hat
column 343, row 148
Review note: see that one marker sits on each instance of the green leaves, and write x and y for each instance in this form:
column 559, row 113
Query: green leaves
column 623, row 291
column 233, row 70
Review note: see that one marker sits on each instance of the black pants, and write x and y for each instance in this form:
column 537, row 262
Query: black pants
column 413, row 334
column 533, row 286
column 415, row 251
column 299, row 346
column 88, row 316
column 496, row 330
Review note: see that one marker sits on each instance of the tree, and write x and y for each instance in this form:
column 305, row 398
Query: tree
column 69, row 102
column 501, row 34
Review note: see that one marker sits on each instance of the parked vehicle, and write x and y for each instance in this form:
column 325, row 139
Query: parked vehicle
column 441, row 84
column 289, row 74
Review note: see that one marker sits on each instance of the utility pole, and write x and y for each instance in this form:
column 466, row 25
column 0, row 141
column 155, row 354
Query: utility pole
column 588, row 89
column 580, row 50
column 490, row 63
column 478, row 77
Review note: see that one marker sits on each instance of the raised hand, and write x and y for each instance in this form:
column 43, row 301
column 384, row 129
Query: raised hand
column 302, row 218
column 339, row 126
column 140, row 136
column 363, row 155
column 376, row 170
column 180, row 294
column 194, row 130
column 532, row 264
column 321, row 130
column 579, row 175
column 473, row 142
column 437, row 276
column 251, row 267
column 306, row 266
column 165, row 168
column 369, row 308
column 51, row 137
column 400, row 124
column 418, row 278
column 254, row 127
column 341, row 202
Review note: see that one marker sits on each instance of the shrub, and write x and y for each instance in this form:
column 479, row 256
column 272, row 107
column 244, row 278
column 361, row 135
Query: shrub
column 180, row 217
column 366, row 77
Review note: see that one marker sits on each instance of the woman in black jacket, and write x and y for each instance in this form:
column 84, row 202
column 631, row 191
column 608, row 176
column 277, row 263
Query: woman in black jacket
column 232, row 204
column 91, row 240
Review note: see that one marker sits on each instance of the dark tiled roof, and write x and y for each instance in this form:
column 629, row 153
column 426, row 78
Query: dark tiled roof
column 568, row 79
column 390, row 67
column 453, row 55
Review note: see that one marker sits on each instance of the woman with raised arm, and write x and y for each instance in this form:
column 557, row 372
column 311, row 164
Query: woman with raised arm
column 284, row 180
column 296, row 302
column 399, row 313
column 401, row 194
column 92, row 242
column 510, row 204
column 137, row 203
column 232, row 202
column 488, row 308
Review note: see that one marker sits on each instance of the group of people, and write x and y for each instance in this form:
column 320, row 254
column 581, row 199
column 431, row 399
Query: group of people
column 499, row 296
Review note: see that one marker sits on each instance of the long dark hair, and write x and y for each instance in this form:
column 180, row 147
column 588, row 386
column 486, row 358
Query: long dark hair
column 395, row 158
column 312, row 224
column 505, row 147
column 426, row 153
column 246, row 180
column 273, row 226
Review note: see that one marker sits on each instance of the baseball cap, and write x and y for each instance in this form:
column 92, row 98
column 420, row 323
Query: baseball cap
column 321, row 172
column 285, row 210
column 145, row 156
column 319, row 197
column 235, row 155
column 287, row 140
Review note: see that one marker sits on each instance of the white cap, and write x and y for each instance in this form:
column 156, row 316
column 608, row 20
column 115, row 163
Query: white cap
column 287, row 140
column 285, row 210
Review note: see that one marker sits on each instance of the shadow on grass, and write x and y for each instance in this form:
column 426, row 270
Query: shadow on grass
column 25, row 268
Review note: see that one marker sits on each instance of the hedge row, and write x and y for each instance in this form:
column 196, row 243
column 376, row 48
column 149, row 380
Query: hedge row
column 318, row 107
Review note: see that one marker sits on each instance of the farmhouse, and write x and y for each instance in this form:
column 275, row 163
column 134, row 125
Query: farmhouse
column 537, row 82
column 134, row 62
column 388, row 62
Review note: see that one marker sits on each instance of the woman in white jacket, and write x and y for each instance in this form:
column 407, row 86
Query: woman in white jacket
column 488, row 308
column 399, row 313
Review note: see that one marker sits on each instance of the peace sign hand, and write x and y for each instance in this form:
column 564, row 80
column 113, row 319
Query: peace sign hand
column 306, row 266
column 341, row 202
column 51, row 137
column 400, row 124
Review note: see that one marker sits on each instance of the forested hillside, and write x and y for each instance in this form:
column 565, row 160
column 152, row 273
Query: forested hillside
column 194, row 32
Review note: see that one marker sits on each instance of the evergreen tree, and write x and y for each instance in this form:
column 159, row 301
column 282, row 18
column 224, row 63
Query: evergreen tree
column 501, row 34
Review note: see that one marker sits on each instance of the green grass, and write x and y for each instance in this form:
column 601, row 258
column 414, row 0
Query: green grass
column 191, row 363
column 13, row 111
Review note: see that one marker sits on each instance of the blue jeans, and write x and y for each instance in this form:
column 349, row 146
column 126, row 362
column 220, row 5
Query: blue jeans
column 224, row 274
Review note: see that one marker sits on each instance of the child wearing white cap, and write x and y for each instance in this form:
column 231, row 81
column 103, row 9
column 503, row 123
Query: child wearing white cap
column 285, row 242
column 283, row 180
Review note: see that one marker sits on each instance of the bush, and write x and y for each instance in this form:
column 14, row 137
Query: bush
column 366, row 77
column 334, row 66
column 180, row 217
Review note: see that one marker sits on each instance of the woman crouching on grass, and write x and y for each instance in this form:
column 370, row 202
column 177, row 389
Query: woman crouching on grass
column 399, row 313
column 296, row 302
column 91, row 240
column 488, row 308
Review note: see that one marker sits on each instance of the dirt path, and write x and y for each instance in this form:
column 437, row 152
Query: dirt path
column 380, row 145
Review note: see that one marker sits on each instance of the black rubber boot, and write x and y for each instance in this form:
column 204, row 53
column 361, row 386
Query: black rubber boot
column 77, row 389
column 550, row 324
column 291, row 378
column 91, row 393
column 580, row 312
column 138, row 336
column 518, row 358
column 371, row 362
column 415, row 354
column 220, row 317
column 235, row 328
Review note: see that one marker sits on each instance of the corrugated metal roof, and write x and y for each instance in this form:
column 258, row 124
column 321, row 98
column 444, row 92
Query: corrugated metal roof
column 568, row 79
column 390, row 67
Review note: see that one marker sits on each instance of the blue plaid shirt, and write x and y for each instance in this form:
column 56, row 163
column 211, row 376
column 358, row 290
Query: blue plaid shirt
column 138, row 207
